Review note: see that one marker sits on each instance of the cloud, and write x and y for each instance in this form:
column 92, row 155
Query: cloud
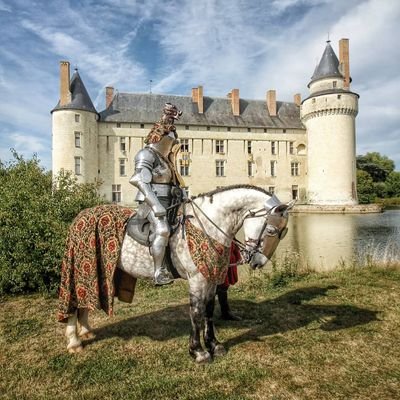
column 251, row 45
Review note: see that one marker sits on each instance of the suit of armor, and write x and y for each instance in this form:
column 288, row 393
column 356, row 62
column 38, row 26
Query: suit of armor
column 159, row 187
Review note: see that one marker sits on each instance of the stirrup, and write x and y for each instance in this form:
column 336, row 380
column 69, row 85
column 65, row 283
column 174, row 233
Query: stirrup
column 162, row 277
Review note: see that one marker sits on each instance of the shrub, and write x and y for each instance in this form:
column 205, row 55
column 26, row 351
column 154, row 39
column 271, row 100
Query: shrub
column 35, row 213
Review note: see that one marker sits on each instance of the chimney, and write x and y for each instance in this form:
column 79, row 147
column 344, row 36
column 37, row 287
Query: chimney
column 65, row 94
column 344, row 61
column 297, row 99
column 271, row 102
column 197, row 97
column 234, row 96
column 109, row 95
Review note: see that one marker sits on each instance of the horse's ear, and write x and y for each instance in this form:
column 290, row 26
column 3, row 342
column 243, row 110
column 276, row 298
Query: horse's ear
column 291, row 204
column 285, row 207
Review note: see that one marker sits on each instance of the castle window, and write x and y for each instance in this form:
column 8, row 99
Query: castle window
column 77, row 118
column 208, row 128
column 248, row 129
column 273, row 168
column 339, row 96
column 219, row 147
column 118, row 124
column 141, row 126
column 271, row 189
column 122, row 167
column 220, row 167
column 273, row 148
column 291, row 147
column 284, row 130
column 334, row 83
column 228, row 128
column 265, row 130
column 78, row 139
column 295, row 192
column 313, row 100
column 185, row 145
column 78, row 165
column 187, row 127
column 249, row 147
column 294, row 166
column 184, row 167
column 116, row 193
column 250, row 171
column 122, row 143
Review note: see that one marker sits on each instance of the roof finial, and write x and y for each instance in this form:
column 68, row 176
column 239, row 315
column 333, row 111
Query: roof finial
column 76, row 68
column 150, row 82
column 328, row 41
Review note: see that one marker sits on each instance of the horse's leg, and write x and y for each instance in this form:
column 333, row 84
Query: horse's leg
column 86, row 330
column 74, row 343
column 197, row 313
column 211, row 342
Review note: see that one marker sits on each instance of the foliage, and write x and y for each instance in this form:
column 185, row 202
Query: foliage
column 393, row 184
column 34, row 219
column 377, row 166
column 365, row 187
column 376, row 178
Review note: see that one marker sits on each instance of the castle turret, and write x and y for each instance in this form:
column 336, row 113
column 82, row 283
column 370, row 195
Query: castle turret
column 74, row 128
column 329, row 116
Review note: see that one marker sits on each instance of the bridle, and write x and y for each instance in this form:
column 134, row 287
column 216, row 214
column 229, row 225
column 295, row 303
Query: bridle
column 254, row 244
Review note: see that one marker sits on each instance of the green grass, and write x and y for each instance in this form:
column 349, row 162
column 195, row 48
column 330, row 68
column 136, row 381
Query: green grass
column 314, row 336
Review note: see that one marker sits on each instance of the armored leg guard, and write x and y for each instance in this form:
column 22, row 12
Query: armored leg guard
column 161, row 273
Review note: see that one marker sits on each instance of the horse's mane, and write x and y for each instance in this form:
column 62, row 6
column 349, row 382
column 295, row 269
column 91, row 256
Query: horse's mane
column 230, row 187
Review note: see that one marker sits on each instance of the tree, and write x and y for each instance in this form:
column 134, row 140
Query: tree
column 376, row 165
column 34, row 218
column 393, row 184
column 365, row 187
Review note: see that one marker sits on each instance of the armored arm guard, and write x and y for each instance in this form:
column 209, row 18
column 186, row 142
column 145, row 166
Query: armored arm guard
column 144, row 164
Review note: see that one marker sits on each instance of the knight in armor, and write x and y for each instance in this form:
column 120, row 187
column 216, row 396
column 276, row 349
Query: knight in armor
column 160, row 187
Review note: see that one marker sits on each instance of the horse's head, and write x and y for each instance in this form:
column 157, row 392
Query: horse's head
column 264, row 229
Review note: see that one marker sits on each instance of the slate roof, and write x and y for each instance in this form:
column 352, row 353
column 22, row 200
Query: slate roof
column 146, row 108
column 328, row 66
column 80, row 99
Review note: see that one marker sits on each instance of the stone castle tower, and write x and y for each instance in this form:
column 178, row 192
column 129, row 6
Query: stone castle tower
column 329, row 116
column 75, row 129
column 302, row 150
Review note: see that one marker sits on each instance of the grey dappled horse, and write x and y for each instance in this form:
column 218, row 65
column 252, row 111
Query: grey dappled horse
column 220, row 214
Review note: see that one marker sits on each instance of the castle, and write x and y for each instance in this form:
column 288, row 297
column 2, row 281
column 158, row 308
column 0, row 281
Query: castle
column 300, row 149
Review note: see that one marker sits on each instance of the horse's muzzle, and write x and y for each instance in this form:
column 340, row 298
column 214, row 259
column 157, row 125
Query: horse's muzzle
column 258, row 261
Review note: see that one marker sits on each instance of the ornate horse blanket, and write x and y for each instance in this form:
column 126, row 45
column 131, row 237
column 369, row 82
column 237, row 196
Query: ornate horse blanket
column 92, row 252
column 210, row 257
column 93, row 246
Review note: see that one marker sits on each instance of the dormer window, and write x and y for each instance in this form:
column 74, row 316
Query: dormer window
column 334, row 84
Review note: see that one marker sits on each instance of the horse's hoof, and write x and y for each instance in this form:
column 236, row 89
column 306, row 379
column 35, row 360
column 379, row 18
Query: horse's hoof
column 74, row 350
column 219, row 350
column 203, row 358
column 87, row 336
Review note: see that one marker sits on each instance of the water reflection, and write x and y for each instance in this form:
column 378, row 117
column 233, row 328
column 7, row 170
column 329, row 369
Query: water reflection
column 327, row 240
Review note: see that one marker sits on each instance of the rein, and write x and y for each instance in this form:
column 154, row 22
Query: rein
column 252, row 214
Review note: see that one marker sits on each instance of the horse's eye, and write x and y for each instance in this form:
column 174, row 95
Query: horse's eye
column 271, row 230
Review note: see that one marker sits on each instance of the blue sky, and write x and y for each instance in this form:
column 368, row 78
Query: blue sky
column 253, row 45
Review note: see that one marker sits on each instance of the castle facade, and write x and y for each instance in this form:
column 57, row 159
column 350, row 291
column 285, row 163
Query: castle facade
column 300, row 149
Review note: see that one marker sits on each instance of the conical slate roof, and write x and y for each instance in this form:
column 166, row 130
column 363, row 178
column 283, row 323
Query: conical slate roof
column 328, row 66
column 80, row 99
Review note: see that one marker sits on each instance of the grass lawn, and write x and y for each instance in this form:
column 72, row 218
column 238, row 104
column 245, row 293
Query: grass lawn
column 322, row 336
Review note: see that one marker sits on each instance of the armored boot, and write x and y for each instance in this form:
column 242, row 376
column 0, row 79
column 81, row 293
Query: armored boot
column 226, row 313
column 161, row 273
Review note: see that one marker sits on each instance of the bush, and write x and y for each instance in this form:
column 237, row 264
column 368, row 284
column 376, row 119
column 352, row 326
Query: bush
column 35, row 214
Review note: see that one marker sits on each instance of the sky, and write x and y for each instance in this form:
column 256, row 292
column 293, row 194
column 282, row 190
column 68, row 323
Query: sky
column 253, row 45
